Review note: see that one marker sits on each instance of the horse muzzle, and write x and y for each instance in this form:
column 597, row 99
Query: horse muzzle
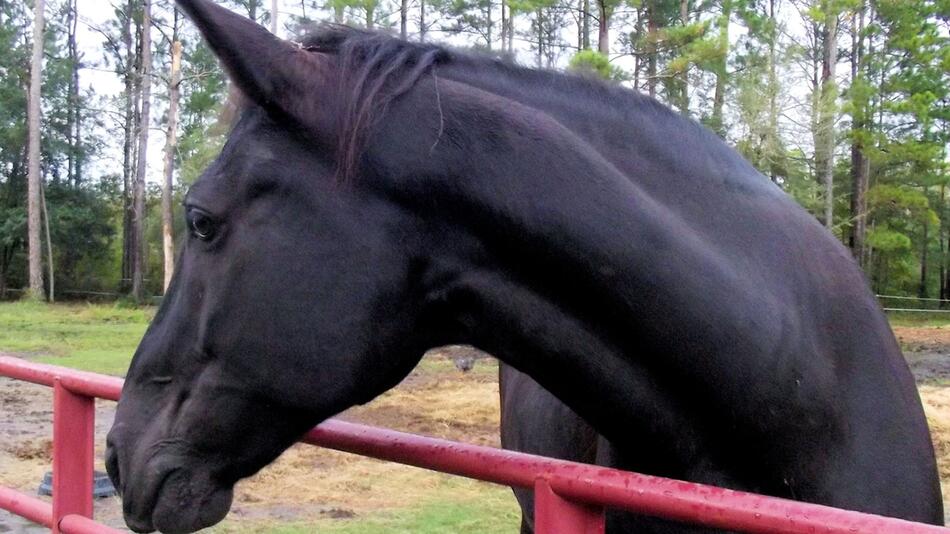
column 167, row 490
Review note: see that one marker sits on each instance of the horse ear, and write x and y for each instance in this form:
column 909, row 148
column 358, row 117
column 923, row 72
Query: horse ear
column 270, row 71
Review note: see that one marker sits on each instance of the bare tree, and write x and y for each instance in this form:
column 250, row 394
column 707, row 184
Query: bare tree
column 131, row 98
column 171, row 143
column 422, row 21
column 273, row 17
column 585, row 25
column 33, row 173
column 73, row 114
column 403, row 18
column 145, row 72
column 825, row 133
column 603, row 28
column 717, row 122
column 504, row 26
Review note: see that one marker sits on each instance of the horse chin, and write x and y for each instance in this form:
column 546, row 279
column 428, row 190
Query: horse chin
column 189, row 503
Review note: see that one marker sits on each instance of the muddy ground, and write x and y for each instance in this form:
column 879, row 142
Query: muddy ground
column 308, row 483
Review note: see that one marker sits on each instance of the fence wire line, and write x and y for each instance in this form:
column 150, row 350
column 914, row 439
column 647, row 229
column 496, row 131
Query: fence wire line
column 919, row 310
column 896, row 297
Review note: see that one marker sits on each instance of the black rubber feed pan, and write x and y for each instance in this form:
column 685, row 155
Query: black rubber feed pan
column 101, row 485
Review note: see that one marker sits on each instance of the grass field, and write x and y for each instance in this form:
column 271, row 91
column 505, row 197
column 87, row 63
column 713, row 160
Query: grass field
column 98, row 338
column 310, row 489
column 935, row 319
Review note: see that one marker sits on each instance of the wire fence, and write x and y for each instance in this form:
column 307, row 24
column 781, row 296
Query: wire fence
column 907, row 304
column 13, row 293
column 889, row 303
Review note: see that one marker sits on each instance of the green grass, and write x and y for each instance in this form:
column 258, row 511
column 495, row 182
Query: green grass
column 496, row 513
column 936, row 319
column 483, row 368
column 98, row 338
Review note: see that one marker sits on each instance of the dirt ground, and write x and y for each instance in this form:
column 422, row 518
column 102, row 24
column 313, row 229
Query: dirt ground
column 436, row 400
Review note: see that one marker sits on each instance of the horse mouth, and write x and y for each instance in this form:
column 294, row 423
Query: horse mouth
column 180, row 502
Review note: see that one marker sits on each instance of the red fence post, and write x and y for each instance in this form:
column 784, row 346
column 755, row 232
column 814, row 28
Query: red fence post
column 73, row 426
column 555, row 515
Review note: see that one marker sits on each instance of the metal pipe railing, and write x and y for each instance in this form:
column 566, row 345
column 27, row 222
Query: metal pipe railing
column 569, row 497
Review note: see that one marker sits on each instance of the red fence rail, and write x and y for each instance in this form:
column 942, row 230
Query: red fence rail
column 569, row 497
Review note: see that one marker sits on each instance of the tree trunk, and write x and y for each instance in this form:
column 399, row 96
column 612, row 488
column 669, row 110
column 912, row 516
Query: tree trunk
column 504, row 27
column 773, row 145
column 370, row 14
column 273, row 16
column 511, row 30
column 922, row 287
column 488, row 25
column 637, row 57
column 422, row 21
column 34, row 187
column 946, row 280
column 860, row 171
column 651, row 48
column 815, row 65
column 73, row 114
column 540, row 16
column 580, row 24
column 49, row 247
column 585, row 26
column 859, row 161
column 403, row 18
column 603, row 29
column 128, row 150
column 684, row 83
column 942, row 232
column 826, row 114
column 145, row 73
column 719, row 97
column 171, row 143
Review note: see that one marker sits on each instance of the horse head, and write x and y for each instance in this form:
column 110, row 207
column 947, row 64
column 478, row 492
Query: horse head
column 296, row 295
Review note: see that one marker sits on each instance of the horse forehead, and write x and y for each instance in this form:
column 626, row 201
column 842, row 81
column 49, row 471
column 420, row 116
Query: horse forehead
column 243, row 157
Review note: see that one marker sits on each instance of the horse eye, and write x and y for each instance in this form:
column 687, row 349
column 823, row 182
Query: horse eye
column 200, row 225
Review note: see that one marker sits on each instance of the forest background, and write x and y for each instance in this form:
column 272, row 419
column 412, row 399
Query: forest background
column 108, row 117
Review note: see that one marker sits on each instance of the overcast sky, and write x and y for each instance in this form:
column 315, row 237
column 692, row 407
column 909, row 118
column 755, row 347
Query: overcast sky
column 97, row 13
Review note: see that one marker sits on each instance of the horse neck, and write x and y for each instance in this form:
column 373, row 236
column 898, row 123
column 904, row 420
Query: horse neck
column 574, row 275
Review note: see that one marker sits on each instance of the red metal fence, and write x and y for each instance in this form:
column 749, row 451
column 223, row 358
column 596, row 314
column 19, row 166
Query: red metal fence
column 569, row 497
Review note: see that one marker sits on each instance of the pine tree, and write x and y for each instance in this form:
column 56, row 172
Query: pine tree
column 171, row 142
column 35, row 179
column 138, row 201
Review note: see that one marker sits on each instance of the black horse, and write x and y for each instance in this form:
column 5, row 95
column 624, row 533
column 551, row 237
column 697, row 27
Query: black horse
column 378, row 198
column 535, row 421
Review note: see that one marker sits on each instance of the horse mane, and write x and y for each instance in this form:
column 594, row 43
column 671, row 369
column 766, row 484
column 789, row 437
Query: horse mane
column 376, row 68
